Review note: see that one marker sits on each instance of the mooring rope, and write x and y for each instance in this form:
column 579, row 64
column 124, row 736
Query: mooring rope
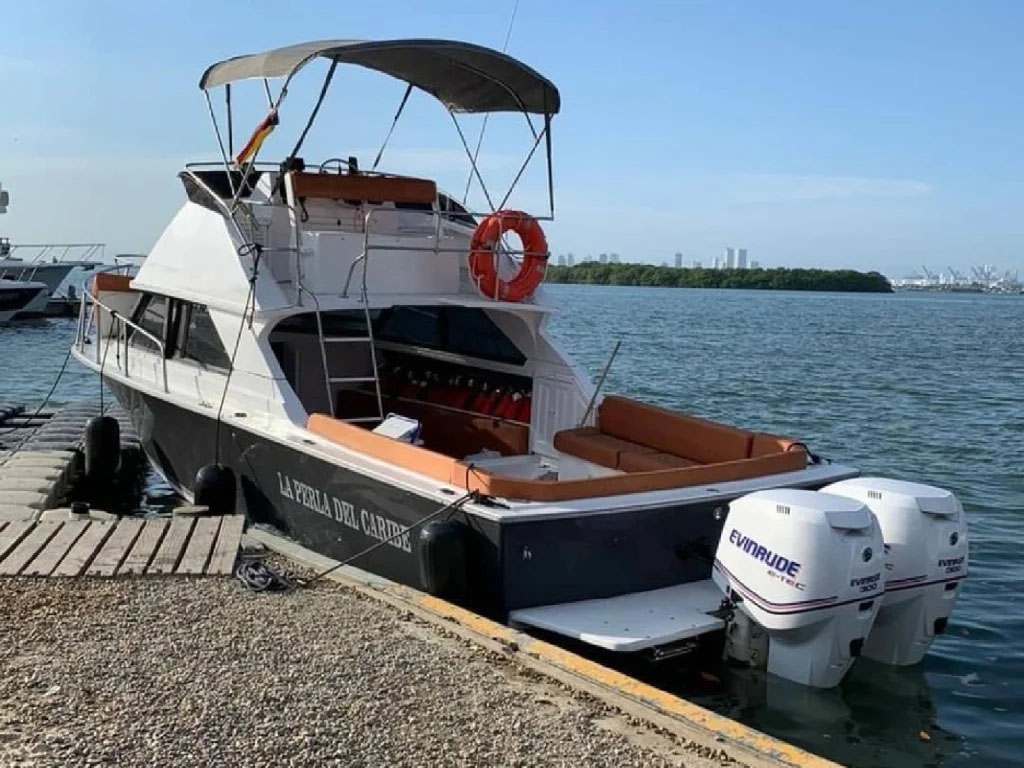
column 451, row 506
column 257, row 576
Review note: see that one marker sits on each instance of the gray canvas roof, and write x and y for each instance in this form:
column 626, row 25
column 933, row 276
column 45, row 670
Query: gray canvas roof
column 463, row 76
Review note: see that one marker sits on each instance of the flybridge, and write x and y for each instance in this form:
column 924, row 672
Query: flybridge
column 465, row 78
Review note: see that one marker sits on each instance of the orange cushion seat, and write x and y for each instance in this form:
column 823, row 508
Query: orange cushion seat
column 765, row 445
column 646, row 466
column 651, row 462
column 592, row 445
column 702, row 441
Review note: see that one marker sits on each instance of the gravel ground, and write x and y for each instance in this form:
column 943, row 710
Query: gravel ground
column 201, row 672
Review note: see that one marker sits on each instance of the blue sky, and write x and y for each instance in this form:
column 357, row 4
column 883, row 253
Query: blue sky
column 872, row 135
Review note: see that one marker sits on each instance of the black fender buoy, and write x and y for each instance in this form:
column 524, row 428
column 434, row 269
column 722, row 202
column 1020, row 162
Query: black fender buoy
column 215, row 489
column 443, row 559
column 102, row 449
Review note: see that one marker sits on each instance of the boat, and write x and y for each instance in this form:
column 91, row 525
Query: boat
column 46, row 267
column 47, row 263
column 361, row 361
column 21, row 298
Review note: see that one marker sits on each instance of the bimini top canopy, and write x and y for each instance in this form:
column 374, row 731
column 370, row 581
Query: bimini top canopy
column 464, row 77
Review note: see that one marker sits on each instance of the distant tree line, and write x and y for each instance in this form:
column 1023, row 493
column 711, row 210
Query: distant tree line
column 779, row 279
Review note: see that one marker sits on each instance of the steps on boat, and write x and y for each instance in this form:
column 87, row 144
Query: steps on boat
column 632, row 622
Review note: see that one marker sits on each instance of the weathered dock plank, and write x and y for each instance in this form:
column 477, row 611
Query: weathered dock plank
column 170, row 551
column 88, row 544
column 12, row 534
column 222, row 561
column 116, row 547
column 144, row 548
column 28, row 548
column 197, row 553
column 56, row 548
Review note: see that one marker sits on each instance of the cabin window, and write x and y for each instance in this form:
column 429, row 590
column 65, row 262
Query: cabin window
column 199, row 340
column 463, row 330
column 455, row 211
column 151, row 316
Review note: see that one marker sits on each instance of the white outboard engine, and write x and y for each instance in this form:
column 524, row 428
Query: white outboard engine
column 807, row 568
column 925, row 534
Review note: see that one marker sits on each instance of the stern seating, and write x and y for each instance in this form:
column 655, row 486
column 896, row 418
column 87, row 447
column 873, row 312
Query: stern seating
column 637, row 437
column 655, row 449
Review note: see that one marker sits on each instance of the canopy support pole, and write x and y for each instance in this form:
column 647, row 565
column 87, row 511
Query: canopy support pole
column 522, row 168
column 398, row 114
column 551, row 179
column 231, row 132
column 220, row 142
column 476, row 154
column 472, row 161
column 314, row 113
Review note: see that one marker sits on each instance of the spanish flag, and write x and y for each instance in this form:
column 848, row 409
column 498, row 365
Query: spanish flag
column 264, row 129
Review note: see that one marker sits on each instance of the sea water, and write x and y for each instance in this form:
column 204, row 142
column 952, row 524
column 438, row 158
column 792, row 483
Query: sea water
column 926, row 387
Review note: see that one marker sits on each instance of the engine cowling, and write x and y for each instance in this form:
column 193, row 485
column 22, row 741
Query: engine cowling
column 808, row 568
column 926, row 550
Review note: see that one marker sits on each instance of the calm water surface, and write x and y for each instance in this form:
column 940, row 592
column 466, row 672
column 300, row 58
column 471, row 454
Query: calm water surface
column 923, row 387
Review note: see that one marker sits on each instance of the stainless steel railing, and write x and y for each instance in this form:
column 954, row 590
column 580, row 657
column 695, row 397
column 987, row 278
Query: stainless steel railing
column 90, row 323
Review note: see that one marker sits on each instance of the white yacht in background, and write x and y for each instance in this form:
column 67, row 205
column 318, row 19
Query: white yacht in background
column 20, row 298
column 355, row 358
column 47, row 263
column 26, row 284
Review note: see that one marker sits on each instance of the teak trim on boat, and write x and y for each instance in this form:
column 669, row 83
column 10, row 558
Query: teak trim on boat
column 364, row 188
column 108, row 281
column 787, row 456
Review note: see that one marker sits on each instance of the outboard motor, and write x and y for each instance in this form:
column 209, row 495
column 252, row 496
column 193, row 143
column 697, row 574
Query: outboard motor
column 807, row 569
column 925, row 533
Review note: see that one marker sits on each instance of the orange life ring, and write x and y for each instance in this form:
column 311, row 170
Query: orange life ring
column 483, row 265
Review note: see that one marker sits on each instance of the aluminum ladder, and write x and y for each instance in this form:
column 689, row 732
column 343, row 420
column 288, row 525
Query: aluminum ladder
column 369, row 341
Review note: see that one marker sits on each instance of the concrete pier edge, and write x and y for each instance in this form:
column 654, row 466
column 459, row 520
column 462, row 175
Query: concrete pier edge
column 687, row 721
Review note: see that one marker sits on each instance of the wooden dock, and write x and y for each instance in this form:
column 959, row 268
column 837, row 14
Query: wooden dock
column 126, row 546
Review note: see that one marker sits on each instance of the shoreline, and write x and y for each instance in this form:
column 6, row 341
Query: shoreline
column 777, row 279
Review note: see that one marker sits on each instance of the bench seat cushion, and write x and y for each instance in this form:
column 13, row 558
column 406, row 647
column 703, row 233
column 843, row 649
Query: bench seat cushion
column 592, row 445
column 702, row 441
column 651, row 462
